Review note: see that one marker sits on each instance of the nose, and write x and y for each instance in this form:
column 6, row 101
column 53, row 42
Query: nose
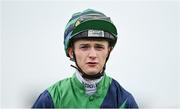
column 92, row 53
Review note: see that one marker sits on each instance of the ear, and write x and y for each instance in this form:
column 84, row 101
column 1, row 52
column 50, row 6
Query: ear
column 110, row 49
column 70, row 52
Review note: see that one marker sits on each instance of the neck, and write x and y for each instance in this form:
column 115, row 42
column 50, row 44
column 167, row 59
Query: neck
column 90, row 77
column 89, row 85
column 80, row 77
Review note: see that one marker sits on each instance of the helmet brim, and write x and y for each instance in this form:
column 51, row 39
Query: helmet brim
column 96, row 25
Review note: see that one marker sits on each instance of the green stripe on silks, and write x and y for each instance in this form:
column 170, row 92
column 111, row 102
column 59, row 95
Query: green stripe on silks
column 70, row 93
column 123, row 105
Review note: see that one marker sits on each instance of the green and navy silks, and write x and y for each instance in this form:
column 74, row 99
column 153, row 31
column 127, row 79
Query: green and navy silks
column 70, row 93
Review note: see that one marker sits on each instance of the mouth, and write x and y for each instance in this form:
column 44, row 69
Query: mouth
column 91, row 64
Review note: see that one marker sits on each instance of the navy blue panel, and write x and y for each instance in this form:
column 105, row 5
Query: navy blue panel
column 131, row 103
column 116, row 95
column 44, row 101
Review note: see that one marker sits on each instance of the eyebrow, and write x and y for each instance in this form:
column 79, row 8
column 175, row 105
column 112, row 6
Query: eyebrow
column 84, row 44
column 102, row 45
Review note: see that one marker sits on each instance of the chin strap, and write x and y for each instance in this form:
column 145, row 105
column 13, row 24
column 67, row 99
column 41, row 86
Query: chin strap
column 91, row 77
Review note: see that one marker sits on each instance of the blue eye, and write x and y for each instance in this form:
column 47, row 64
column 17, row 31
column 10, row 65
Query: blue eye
column 84, row 47
column 99, row 47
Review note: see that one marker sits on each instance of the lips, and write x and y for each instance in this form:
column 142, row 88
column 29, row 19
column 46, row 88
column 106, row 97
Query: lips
column 91, row 63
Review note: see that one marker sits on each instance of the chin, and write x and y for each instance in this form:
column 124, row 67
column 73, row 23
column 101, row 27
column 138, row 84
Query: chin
column 92, row 72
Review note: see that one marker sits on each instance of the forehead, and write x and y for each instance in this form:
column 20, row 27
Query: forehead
column 91, row 41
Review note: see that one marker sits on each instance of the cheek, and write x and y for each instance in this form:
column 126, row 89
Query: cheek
column 80, row 57
column 103, row 59
column 104, row 56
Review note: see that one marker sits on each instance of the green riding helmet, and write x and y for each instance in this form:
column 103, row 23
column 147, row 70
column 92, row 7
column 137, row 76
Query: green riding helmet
column 89, row 24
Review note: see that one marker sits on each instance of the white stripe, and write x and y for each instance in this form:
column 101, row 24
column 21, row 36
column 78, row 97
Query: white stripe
column 90, row 85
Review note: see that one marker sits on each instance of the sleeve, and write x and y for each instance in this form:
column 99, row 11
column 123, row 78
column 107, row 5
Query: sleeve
column 131, row 103
column 44, row 101
column 124, row 98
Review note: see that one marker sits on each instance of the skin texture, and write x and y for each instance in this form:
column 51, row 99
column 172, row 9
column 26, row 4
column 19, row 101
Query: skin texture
column 90, row 54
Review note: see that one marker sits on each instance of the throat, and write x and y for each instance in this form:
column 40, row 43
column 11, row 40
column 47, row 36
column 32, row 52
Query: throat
column 89, row 85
